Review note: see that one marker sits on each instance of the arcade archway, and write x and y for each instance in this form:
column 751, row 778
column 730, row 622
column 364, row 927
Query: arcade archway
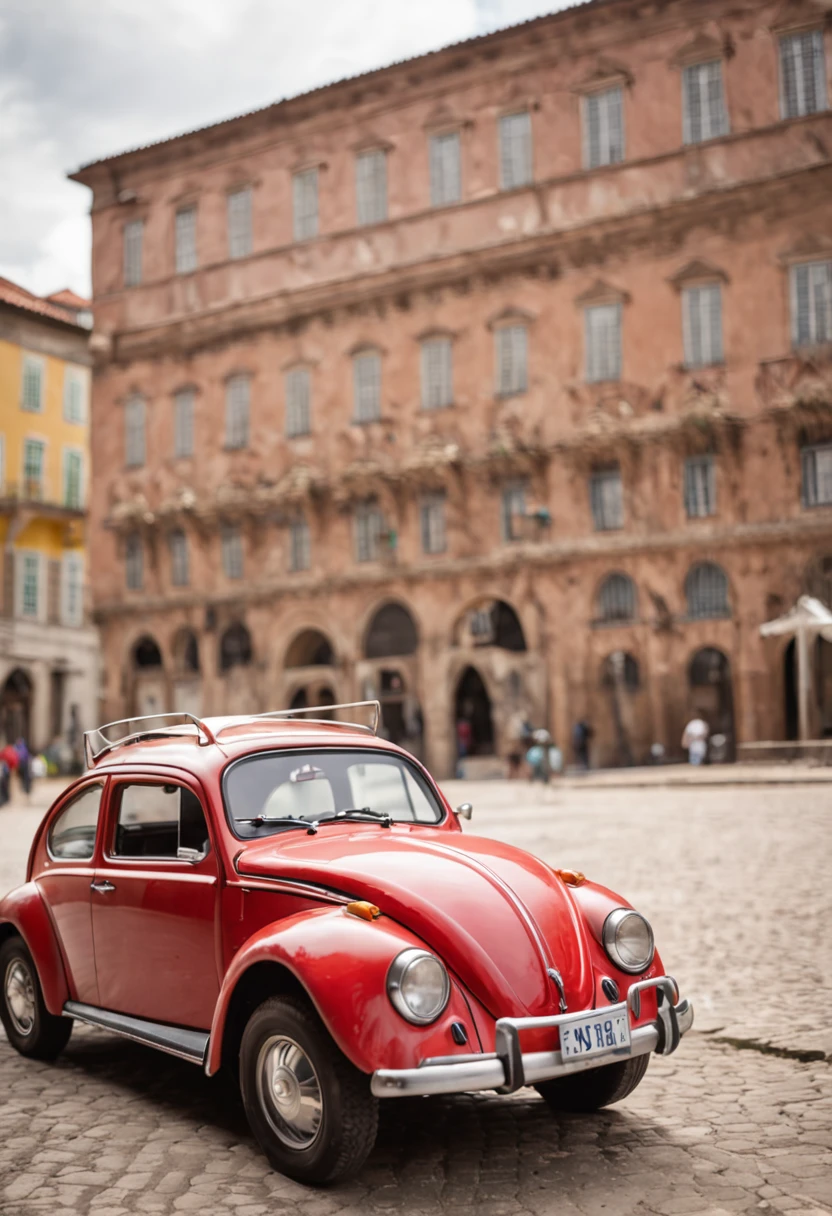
column 16, row 706
column 147, row 671
column 472, row 714
column 711, row 694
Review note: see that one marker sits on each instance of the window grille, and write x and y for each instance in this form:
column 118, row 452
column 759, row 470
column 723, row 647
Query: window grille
column 700, row 489
column 705, row 116
column 511, row 347
column 298, row 405
column 183, row 423
column 239, row 223
column 434, row 538
column 30, row 590
column 31, row 388
column 604, row 128
column 305, row 204
column 299, row 545
column 811, row 303
column 603, row 342
column 802, row 74
column 73, row 480
column 134, row 432
column 369, row 525
column 178, row 558
column 34, row 452
column 232, row 552
column 606, row 500
column 186, row 240
column 706, row 591
column 237, row 399
column 72, row 609
column 134, row 562
column 515, row 150
column 702, row 317
column 75, row 385
column 367, row 386
column 437, row 373
column 617, row 598
column 513, row 509
column 371, row 186
column 133, row 241
column 816, row 463
column 445, row 172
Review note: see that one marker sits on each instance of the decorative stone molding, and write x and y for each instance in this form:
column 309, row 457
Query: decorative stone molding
column 697, row 271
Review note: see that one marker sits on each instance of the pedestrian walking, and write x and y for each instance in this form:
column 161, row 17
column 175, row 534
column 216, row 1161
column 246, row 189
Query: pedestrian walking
column 695, row 740
column 464, row 738
column 5, row 778
column 519, row 733
column 24, row 765
column 581, row 734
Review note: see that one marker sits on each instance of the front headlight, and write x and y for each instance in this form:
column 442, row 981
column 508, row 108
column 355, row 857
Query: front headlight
column 418, row 985
column 628, row 940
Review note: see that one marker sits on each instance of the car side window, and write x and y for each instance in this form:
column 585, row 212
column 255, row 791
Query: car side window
column 72, row 835
column 160, row 821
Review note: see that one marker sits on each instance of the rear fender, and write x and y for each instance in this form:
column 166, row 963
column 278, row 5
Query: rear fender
column 23, row 911
column 341, row 962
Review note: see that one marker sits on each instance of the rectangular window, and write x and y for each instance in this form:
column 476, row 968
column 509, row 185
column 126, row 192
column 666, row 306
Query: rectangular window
column 437, row 373
column 366, row 369
column 72, row 597
column 232, row 552
column 237, row 398
column 53, row 593
column 30, row 593
column 75, row 394
column 604, row 128
column 298, row 403
column 165, row 821
column 133, row 242
column 811, row 284
column 73, row 479
column 817, row 475
column 134, row 438
column 299, row 548
column 445, row 171
column 603, row 342
column 134, row 563
column 179, row 574
column 702, row 322
column 31, row 385
column 371, row 186
column 513, row 508
column 606, row 500
column 432, row 516
column 305, row 204
column 515, row 150
column 700, row 488
column 705, row 116
column 369, row 526
column 511, row 350
column 183, row 423
column 34, row 455
column 802, row 74
column 239, row 224
column 186, row 240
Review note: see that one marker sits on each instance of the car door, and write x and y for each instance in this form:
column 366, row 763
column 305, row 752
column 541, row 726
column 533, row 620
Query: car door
column 154, row 904
column 64, row 868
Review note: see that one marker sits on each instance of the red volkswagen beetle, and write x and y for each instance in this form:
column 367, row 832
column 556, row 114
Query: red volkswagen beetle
column 294, row 901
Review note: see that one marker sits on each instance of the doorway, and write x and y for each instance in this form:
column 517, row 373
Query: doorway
column 712, row 695
column 473, row 705
column 16, row 707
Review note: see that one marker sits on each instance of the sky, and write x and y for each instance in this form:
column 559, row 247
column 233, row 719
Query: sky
column 82, row 79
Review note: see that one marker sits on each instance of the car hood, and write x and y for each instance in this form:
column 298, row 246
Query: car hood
column 499, row 917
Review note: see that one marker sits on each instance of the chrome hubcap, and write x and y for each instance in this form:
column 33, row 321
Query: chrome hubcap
column 19, row 989
column 289, row 1092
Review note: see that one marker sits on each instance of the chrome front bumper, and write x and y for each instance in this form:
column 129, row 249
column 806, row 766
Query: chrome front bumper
column 507, row 1069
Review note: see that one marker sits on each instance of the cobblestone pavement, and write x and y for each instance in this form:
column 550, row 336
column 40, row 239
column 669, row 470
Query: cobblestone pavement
column 736, row 882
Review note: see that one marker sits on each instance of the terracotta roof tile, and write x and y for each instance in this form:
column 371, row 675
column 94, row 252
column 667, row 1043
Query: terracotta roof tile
column 18, row 297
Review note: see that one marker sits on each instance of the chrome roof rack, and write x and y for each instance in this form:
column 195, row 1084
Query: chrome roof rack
column 288, row 714
column 98, row 742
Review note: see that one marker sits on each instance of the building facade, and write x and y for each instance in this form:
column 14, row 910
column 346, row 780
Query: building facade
column 494, row 383
column 49, row 682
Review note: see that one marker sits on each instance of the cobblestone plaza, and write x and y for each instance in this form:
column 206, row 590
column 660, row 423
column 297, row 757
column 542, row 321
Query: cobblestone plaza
column 735, row 879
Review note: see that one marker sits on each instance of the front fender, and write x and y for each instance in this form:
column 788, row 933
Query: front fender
column 25, row 910
column 342, row 961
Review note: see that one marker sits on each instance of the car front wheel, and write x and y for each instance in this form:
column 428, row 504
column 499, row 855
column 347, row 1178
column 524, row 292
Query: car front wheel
column 30, row 1027
column 589, row 1091
column 309, row 1107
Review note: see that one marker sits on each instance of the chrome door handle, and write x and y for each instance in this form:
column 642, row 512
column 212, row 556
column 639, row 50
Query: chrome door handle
column 102, row 886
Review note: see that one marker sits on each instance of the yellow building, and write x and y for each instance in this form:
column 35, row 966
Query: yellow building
column 48, row 647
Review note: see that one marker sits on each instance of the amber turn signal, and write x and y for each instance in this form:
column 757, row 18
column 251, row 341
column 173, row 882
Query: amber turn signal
column 363, row 909
column 572, row 878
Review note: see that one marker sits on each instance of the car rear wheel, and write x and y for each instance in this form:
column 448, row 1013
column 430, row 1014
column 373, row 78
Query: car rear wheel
column 309, row 1107
column 30, row 1027
column 589, row 1091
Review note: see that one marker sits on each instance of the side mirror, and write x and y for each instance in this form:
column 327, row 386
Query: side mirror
column 464, row 811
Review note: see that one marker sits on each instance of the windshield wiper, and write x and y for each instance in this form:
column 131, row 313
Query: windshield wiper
column 287, row 821
column 358, row 814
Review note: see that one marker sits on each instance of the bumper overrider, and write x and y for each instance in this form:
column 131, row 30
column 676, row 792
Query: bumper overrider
column 508, row 1069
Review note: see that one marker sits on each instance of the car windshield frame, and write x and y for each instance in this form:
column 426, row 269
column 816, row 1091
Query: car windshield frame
column 246, row 827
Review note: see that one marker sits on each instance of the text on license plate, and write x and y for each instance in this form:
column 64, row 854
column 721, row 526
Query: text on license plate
column 595, row 1032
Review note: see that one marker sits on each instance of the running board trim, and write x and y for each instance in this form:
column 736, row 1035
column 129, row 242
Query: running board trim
column 190, row 1045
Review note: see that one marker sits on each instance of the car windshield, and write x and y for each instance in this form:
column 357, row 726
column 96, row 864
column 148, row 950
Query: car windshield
column 264, row 791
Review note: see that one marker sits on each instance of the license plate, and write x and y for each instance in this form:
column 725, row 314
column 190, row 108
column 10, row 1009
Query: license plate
column 595, row 1033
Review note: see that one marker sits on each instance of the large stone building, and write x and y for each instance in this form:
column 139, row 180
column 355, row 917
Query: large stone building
column 498, row 380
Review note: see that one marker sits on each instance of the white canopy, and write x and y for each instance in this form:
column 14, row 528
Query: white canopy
column 808, row 614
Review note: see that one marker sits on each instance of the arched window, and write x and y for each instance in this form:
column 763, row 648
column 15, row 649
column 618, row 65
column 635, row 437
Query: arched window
column 392, row 631
column 706, row 591
column 311, row 648
column 617, row 598
column 146, row 653
column 235, row 647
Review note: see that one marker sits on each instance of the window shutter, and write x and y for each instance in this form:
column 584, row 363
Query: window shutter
column 9, row 580
column 133, row 240
column 239, row 223
column 237, row 401
column 437, row 373
column 185, row 232
column 515, row 150
column 445, row 176
column 183, row 423
column 298, row 420
column 371, row 184
column 53, row 592
column 367, row 386
column 305, row 204
column 299, row 543
column 134, row 427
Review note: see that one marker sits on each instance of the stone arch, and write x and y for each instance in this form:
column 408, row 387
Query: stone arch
column 309, row 648
column 16, row 700
column 616, row 599
column 145, row 653
column 711, row 693
column 147, row 678
column 235, row 647
column 706, row 592
column 490, row 622
column 185, row 651
column 472, row 706
column 391, row 632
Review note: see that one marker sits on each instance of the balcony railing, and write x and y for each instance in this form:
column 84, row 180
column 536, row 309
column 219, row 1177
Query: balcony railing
column 31, row 493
